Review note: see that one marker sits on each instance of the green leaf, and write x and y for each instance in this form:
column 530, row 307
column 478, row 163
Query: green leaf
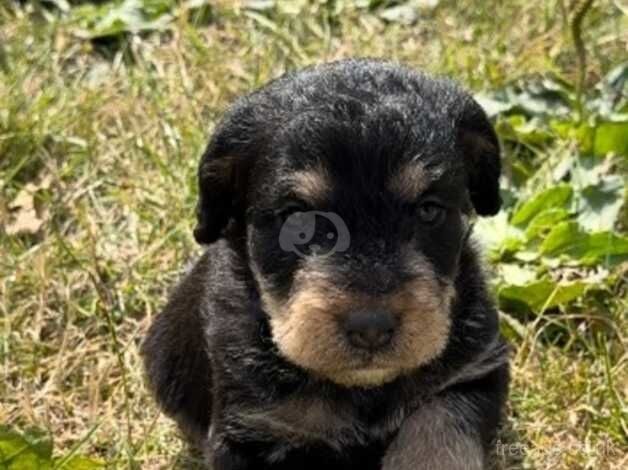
column 600, row 204
column 531, row 132
column 32, row 449
column 613, row 92
column 493, row 107
column 569, row 239
column 81, row 463
column 545, row 97
column 545, row 221
column 600, row 194
column 556, row 197
column 512, row 273
column 611, row 137
column 616, row 79
column 497, row 235
column 599, row 138
column 539, row 295
column 127, row 16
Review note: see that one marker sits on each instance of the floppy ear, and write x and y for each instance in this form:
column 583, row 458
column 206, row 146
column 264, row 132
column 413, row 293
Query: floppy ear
column 479, row 146
column 220, row 198
column 222, row 176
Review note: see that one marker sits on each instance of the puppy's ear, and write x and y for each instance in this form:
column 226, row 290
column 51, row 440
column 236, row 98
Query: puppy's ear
column 222, row 176
column 479, row 146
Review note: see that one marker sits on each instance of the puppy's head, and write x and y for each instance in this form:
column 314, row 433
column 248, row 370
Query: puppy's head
column 352, row 185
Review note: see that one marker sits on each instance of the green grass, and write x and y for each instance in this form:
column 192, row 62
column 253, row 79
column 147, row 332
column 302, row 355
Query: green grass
column 108, row 133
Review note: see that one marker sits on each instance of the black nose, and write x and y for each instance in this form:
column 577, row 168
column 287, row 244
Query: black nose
column 370, row 329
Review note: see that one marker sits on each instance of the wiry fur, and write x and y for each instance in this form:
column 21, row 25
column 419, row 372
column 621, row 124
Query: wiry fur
column 249, row 354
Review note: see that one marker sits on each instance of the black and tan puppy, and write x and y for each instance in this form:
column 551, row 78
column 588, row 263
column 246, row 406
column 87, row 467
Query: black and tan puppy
column 339, row 318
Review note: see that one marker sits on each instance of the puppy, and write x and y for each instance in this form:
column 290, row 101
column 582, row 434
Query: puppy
column 339, row 317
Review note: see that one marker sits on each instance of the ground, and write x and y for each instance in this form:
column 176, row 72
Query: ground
column 101, row 128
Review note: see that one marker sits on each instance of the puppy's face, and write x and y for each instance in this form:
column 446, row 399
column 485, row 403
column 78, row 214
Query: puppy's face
column 355, row 247
column 354, row 227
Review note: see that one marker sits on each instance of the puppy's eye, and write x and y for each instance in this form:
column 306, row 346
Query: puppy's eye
column 430, row 213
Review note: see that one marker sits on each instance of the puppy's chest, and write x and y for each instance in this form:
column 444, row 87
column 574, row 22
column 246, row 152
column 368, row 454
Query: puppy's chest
column 299, row 421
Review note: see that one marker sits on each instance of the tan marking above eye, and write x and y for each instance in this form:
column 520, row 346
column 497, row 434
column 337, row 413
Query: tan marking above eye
column 409, row 181
column 313, row 185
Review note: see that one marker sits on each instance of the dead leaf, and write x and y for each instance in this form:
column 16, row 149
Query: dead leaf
column 26, row 217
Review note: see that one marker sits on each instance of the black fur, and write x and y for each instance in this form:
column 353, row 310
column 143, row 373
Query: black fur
column 211, row 354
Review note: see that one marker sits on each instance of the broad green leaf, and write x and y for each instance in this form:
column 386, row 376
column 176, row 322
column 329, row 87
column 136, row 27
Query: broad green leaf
column 81, row 463
column 544, row 97
column 526, row 255
column 497, row 235
column 32, row 449
column 590, row 170
column 532, row 131
column 512, row 273
column 599, row 138
column 616, row 79
column 545, row 221
column 601, row 192
column 12, row 445
column 556, row 197
column 600, row 204
column 611, row 137
column 492, row 106
column 539, row 295
column 569, row 239
column 613, row 92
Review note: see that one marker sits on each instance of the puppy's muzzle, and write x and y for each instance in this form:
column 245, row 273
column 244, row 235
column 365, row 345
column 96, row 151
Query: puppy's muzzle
column 370, row 329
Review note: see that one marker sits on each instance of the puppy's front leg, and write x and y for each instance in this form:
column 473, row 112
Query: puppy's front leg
column 438, row 436
column 453, row 430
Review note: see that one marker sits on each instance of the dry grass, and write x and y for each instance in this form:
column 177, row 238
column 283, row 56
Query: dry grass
column 118, row 135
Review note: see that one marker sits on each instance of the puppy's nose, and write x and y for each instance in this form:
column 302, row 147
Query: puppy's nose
column 370, row 329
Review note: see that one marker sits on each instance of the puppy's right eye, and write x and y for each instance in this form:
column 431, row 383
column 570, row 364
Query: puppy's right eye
column 427, row 212
column 430, row 213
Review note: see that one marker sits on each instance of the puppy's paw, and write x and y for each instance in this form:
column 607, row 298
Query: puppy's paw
column 437, row 436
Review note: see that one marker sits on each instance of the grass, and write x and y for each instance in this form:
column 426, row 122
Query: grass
column 108, row 135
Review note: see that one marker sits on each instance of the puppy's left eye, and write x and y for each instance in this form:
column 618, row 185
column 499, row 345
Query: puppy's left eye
column 430, row 213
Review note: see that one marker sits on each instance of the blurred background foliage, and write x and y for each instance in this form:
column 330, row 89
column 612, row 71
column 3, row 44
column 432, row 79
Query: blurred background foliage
column 105, row 107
